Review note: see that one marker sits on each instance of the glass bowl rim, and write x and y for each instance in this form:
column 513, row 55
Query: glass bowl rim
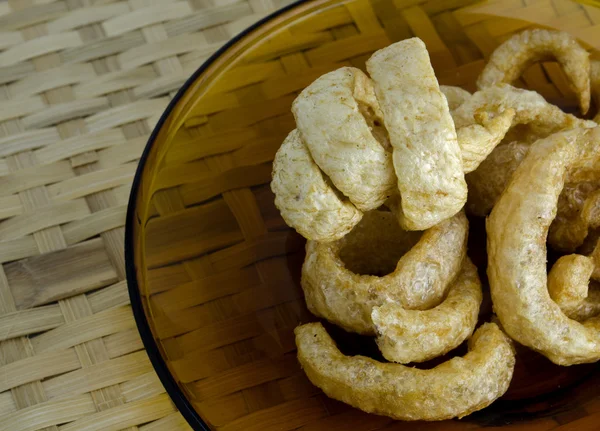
column 174, row 391
column 158, row 363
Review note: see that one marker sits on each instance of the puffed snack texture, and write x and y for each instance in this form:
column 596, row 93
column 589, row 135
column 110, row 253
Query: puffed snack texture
column 419, row 279
column 517, row 255
column 454, row 388
column 426, row 155
column 379, row 176
column 519, row 52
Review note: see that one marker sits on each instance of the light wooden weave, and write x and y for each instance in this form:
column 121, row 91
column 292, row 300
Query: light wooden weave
column 82, row 84
column 220, row 268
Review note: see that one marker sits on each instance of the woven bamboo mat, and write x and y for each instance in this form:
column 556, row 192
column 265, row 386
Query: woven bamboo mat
column 82, row 83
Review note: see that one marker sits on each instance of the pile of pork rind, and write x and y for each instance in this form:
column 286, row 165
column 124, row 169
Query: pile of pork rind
column 378, row 176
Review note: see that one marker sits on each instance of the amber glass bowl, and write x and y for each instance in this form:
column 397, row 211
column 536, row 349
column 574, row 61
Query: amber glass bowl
column 213, row 270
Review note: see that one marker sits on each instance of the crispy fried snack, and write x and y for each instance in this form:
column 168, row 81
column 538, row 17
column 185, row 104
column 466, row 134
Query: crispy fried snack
column 419, row 280
column 578, row 212
column 595, row 256
column 517, row 230
column 578, row 208
column 415, row 336
column 569, row 287
column 455, row 388
column 525, row 133
column 485, row 118
column 455, row 96
column 488, row 181
column 335, row 116
column 477, row 140
column 578, row 204
column 376, row 244
column 426, row 155
column 595, row 86
column 307, row 202
column 519, row 52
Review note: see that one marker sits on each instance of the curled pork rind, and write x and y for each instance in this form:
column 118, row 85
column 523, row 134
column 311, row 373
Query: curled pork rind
column 578, row 205
column 333, row 115
column 419, row 280
column 569, row 287
column 517, row 230
column 426, row 154
column 595, row 86
column 595, row 256
column 519, row 52
column 454, row 388
column 415, row 336
column 485, row 118
column 488, row 181
column 578, row 212
column 455, row 96
column 307, row 202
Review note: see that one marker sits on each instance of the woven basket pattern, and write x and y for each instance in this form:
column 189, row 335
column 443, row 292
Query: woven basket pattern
column 82, row 84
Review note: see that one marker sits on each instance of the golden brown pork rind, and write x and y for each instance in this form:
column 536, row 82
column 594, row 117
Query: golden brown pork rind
column 485, row 118
column 595, row 256
column 517, row 230
column 578, row 205
column 405, row 336
column 578, row 208
column 307, row 202
column 488, row 181
column 595, row 86
column 454, row 388
column 376, row 244
column 333, row 115
column 455, row 96
column 519, row 52
column 419, row 280
column 478, row 139
column 426, row 155
column 578, row 212
column 569, row 287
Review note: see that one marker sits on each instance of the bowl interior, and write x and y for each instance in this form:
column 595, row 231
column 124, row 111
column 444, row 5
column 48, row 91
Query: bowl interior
column 214, row 270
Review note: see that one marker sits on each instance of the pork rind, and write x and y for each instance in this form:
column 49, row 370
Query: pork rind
column 595, row 256
column 578, row 205
column 569, row 287
column 454, row 388
column 307, row 202
column 415, row 336
column 426, row 155
column 578, row 208
column 488, row 181
column 485, row 118
column 376, row 244
column 595, row 86
column 517, row 230
column 419, row 279
column 335, row 116
column 578, row 212
column 455, row 96
column 519, row 52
